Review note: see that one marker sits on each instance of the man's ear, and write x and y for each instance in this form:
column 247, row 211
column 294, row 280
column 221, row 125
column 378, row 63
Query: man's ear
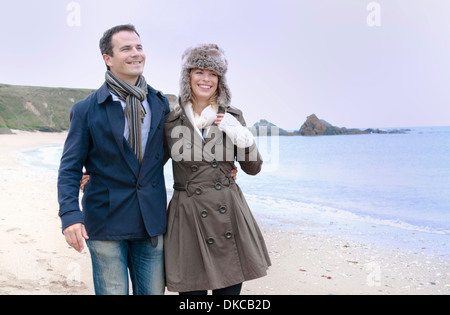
column 107, row 59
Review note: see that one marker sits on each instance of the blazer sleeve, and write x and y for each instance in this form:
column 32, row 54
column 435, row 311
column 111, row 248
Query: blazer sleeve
column 71, row 168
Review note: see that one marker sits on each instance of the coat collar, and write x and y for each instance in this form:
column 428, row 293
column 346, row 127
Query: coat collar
column 103, row 93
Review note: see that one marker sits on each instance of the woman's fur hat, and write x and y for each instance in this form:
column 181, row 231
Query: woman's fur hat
column 209, row 57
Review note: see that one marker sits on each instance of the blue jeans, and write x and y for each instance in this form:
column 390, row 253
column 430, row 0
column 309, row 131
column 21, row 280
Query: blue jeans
column 111, row 261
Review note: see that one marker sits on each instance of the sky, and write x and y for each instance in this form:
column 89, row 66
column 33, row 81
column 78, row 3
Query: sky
column 354, row 63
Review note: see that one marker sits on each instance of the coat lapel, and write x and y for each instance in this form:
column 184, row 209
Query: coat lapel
column 116, row 120
column 157, row 111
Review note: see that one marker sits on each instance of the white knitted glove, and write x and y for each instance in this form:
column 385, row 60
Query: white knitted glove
column 240, row 135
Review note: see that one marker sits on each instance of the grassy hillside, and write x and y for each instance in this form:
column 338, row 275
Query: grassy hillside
column 37, row 108
column 40, row 108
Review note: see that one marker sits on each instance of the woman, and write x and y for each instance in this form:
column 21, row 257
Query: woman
column 212, row 241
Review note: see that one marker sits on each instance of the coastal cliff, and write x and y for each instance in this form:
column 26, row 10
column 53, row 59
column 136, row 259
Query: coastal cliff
column 37, row 108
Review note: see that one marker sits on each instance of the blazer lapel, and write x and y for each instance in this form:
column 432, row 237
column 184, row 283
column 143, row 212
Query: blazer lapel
column 157, row 111
column 116, row 120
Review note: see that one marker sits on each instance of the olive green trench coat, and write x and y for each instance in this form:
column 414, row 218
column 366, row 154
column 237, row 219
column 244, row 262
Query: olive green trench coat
column 212, row 239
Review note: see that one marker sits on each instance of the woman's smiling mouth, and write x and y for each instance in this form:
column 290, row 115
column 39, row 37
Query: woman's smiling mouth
column 205, row 87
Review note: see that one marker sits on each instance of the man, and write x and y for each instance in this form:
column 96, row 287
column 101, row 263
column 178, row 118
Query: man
column 117, row 134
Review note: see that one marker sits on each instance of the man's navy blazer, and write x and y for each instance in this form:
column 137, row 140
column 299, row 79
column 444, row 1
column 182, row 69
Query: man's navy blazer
column 123, row 200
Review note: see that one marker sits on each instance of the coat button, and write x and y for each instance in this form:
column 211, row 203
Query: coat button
column 194, row 168
column 210, row 241
column 204, row 214
column 198, row 191
column 223, row 210
column 228, row 235
column 214, row 164
column 218, row 186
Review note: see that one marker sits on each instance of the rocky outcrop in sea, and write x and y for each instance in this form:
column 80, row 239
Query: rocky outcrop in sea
column 313, row 126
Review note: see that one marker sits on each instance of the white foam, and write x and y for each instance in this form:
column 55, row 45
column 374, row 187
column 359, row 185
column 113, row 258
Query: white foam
column 295, row 209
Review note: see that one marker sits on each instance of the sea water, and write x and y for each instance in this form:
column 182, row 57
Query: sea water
column 388, row 189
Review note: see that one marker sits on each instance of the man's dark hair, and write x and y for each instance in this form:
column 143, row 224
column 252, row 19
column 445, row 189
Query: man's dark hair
column 106, row 41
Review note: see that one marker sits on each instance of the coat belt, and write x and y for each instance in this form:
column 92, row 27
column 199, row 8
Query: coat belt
column 193, row 188
column 179, row 187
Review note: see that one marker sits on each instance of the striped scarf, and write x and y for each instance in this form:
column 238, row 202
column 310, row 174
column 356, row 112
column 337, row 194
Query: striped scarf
column 134, row 111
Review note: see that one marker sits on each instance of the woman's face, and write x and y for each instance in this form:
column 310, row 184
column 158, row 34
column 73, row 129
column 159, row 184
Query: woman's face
column 204, row 84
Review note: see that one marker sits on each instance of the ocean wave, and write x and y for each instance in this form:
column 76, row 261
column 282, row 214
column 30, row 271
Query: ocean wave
column 44, row 157
column 296, row 209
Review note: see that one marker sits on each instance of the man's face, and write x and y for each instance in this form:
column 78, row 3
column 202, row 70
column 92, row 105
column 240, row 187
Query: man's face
column 129, row 58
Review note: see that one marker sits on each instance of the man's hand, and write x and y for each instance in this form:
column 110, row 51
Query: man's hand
column 219, row 119
column 84, row 181
column 234, row 172
column 75, row 236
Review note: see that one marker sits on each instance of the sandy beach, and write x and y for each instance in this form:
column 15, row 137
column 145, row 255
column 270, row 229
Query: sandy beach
column 36, row 260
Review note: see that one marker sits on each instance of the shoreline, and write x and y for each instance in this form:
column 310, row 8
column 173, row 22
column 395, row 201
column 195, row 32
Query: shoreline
column 36, row 259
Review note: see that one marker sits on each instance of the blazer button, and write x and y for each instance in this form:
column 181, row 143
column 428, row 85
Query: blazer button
column 210, row 241
column 228, row 235
column 154, row 184
column 157, row 156
column 138, row 187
